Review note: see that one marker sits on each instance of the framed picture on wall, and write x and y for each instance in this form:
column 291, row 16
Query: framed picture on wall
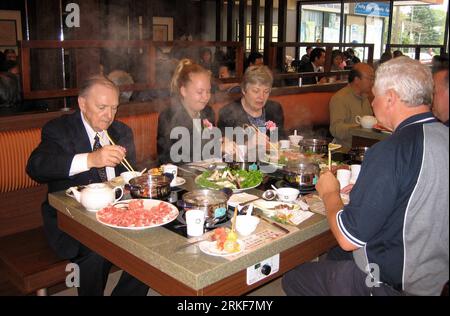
column 10, row 29
column 160, row 32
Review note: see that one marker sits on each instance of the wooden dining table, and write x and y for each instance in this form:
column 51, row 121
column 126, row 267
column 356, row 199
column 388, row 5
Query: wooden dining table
column 153, row 256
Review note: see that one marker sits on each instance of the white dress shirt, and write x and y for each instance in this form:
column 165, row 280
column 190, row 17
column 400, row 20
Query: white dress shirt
column 79, row 162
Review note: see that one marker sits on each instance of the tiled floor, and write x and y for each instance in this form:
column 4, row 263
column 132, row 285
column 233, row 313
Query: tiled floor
column 271, row 289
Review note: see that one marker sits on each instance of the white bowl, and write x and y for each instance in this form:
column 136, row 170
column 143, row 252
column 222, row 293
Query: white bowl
column 128, row 175
column 295, row 139
column 245, row 225
column 288, row 195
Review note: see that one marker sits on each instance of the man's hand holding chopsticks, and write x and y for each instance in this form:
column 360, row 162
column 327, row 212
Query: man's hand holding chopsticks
column 107, row 156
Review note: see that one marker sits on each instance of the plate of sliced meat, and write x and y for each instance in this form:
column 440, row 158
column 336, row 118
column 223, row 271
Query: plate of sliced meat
column 137, row 214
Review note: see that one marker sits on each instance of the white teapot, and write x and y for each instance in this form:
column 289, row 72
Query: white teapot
column 367, row 121
column 96, row 196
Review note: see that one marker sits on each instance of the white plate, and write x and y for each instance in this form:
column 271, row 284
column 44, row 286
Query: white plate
column 179, row 181
column 268, row 206
column 148, row 204
column 234, row 190
column 209, row 247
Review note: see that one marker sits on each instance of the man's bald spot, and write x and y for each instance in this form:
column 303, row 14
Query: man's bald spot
column 363, row 68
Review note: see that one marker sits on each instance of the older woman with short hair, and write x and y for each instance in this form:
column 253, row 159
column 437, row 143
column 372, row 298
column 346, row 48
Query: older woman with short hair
column 254, row 108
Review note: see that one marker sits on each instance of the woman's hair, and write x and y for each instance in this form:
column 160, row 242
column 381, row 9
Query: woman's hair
column 182, row 75
column 416, row 85
column 257, row 75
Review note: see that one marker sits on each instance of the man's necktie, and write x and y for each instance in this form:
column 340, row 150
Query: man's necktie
column 101, row 171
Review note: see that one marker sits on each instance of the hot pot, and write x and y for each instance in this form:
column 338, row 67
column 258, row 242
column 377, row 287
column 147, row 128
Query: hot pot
column 314, row 146
column 150, row 187
column 301, row 174
column 212, row 202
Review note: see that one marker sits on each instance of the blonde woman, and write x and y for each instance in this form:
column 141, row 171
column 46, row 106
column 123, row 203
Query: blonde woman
column 191, row 90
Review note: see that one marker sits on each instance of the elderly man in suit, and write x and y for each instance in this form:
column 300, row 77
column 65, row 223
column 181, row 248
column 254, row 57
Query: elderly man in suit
column 75, row 150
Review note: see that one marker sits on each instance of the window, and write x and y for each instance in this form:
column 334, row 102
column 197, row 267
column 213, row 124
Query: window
column 367, row 23
column 248, row 41
column 419, row 24
column 320, row 23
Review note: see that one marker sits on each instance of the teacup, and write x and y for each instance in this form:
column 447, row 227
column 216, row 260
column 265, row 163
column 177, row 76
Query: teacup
column 295, row 139
column 367, row 121
column 288, row 195
column 245, row 224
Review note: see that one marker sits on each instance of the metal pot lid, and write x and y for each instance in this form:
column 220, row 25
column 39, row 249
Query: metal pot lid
column 148, row 180
column 205, row 197
column 313, row 142
column 302, row 167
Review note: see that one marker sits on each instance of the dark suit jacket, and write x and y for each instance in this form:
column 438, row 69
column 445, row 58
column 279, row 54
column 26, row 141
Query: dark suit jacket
column 308, row 67
column 234, row 115
column 177, row 116
column 50, row 163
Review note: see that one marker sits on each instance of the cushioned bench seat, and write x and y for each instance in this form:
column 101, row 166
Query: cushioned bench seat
column 29, row 262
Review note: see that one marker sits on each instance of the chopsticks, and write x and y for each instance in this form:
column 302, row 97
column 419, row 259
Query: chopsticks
column 274, row 148
column 331, row 147
column 233, row 223
column 124, row 162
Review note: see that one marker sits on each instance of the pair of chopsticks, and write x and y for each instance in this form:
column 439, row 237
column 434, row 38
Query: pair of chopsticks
column 331, row 147
column 124, row 162
column 274, row 148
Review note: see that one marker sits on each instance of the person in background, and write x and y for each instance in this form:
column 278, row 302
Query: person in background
column 337, row 58
column 10, row 54
column 317, row 61
column 206, row 60
column 397, row 53
column 354, row 59
column 254, row 59
column 440, row 97
column 306, row 57
column 9, row 93
column 297, row 64
column 120, row 78
column 75, row 150
column 393, row 234
column 191, row 88
column 349, row 102
column 12, row 67
column 337, row 64
column 2, row 60
column 224, row 73
column 384, row 58
column 254, row 108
